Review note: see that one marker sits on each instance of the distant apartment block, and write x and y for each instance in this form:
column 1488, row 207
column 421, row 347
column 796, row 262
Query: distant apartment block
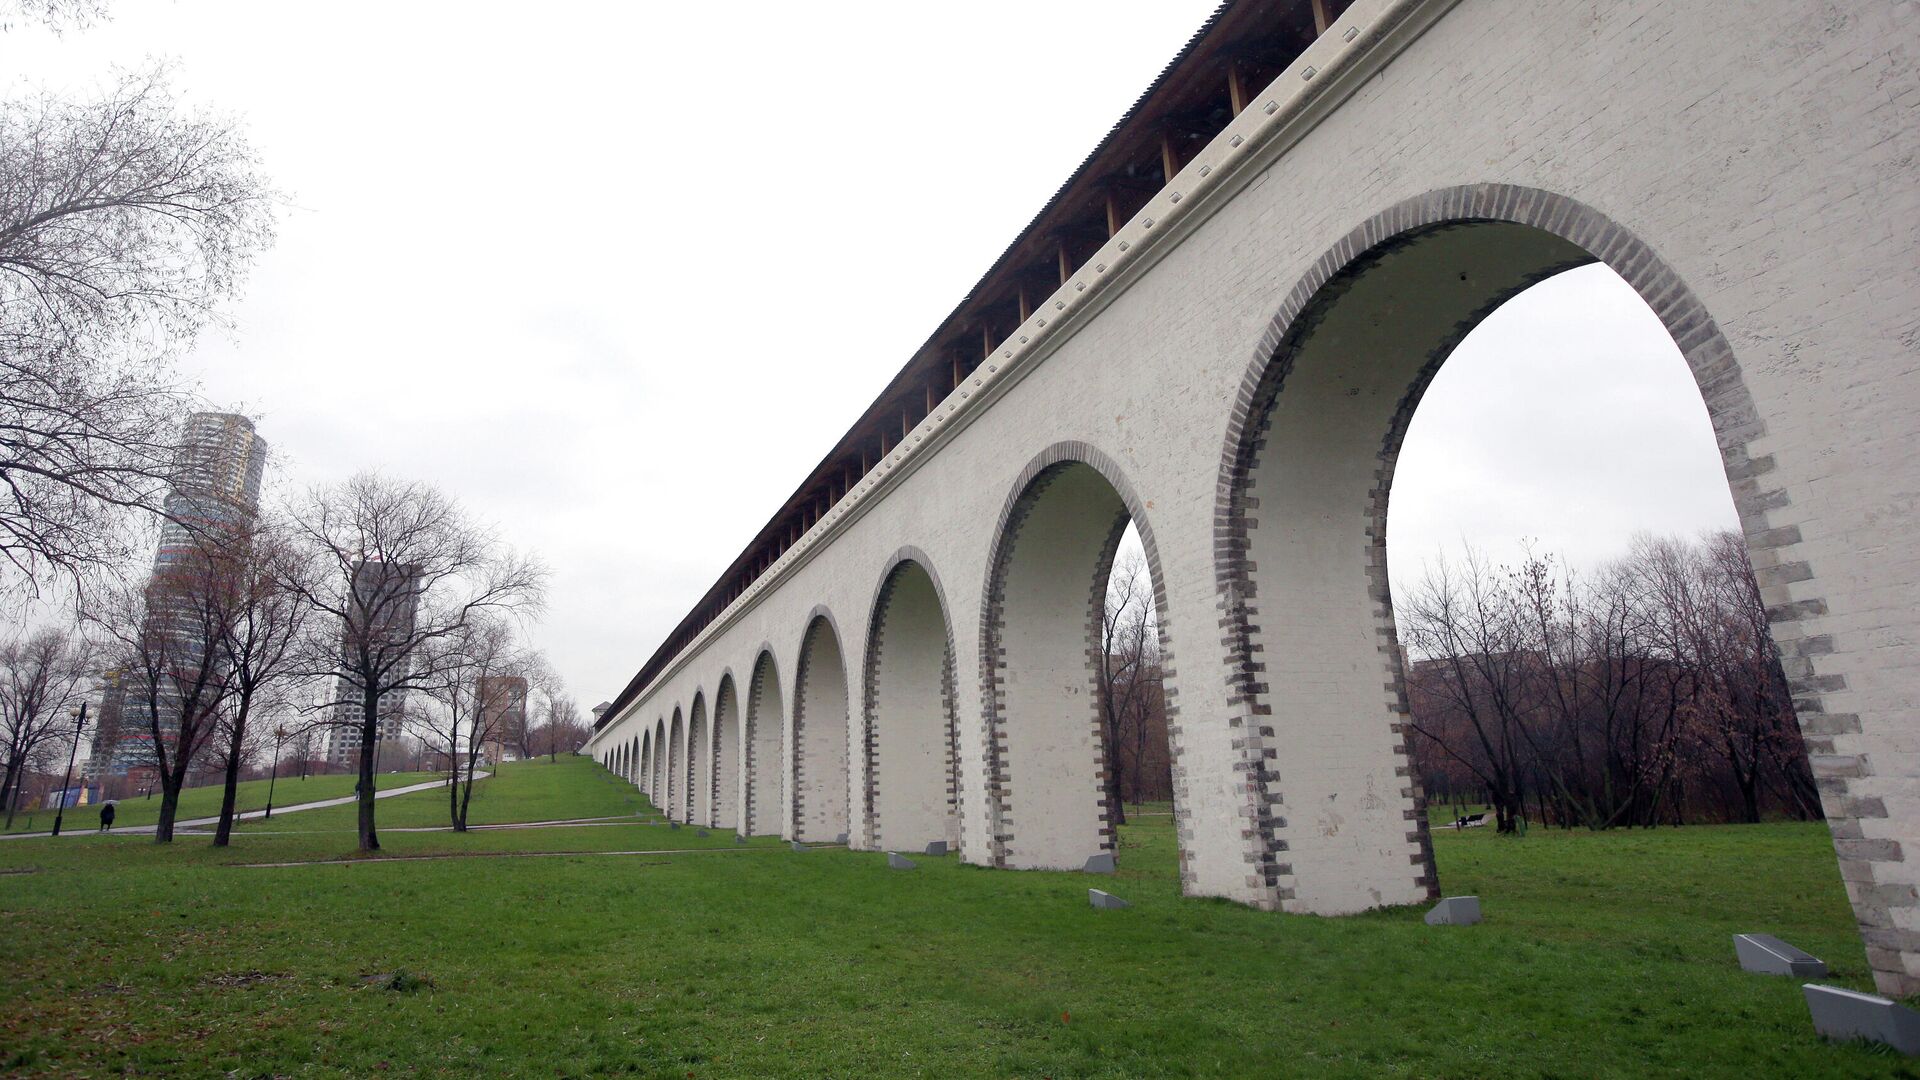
column 385, row 605
column 213, row 487
column 503, row 714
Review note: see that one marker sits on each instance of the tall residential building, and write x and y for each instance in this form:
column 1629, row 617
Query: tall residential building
column 107, row 707
column 385, row 603
column 215, row 482
column 214, row 486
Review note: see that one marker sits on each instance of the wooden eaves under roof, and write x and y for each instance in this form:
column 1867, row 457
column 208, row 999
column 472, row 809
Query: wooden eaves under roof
column 1241, row 48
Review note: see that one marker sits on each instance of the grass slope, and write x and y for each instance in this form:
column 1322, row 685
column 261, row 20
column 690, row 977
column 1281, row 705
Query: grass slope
column 1603, row 955
column 205, row 801
column 519, row 791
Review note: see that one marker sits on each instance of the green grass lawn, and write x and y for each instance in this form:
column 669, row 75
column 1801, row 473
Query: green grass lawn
column 205, row 801
column 519, row 791
column 1602, row 955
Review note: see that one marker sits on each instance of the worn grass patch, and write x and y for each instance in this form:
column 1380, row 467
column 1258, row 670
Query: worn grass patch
column 1602, row 955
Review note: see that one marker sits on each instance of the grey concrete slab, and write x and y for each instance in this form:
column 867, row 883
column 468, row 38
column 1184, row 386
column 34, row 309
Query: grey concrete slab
column 1848, row 1014
column 1765, row 954
column 703, row 834
column 841, row 839
column 937, row 848
column 1105, row 901
column 1455, row 911
column 1100, row 864
column 798, row 846
column 899, row 862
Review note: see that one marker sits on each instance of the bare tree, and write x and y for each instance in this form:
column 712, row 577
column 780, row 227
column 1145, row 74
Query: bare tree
column 468, row 701
column 1129, row 644
column 399, row 567
column 52, row 14
column 303, row 743
column 1706, row 614
column 55, row 15
column 41, row 677
column 124, row 222
column 170, row 629
column 563, row 729
column 544, row 681
column 1464, row 622
column 263, row 627
column 1621, row 697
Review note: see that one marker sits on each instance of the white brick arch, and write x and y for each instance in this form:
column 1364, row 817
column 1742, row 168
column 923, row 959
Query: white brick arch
column 909, row 737
column 657, row 786
column 699, row 761
column 1041, row 644
column 645, row 779
column 1307, row 471
column 727, row 754
column 763, row 745
column 820, row 779
column 676, row 769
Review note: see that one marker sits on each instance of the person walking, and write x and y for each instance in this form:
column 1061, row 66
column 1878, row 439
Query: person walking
column 106, row 817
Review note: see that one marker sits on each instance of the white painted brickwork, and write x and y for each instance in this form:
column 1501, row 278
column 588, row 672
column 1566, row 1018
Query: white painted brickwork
column 1760, row 154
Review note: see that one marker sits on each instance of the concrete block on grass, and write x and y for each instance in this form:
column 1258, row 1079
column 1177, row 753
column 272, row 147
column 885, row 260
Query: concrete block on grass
column 1764, row 954
column 1455, row 911
column 937, row 848
column 798, row 846
column 673, row 824
column 1105, row 901
column 1100, row 864
column 701, row 834
column 899, row 862
column 1848, row 1014
column 739, row 839
column 841, row 839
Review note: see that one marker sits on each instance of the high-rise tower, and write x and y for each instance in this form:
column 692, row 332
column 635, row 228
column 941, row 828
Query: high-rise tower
column 214, row 487
column 215, row 482
column 385, row 603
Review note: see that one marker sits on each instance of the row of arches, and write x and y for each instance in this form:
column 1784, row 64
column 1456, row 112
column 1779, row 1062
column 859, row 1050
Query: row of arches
column 1312, row 658
column 727, row 772
column 1305, row 752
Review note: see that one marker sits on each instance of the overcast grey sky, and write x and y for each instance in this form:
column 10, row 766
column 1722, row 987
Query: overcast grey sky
column 558, row 259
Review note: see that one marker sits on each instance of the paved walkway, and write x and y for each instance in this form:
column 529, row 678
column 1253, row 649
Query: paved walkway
column 250, row 815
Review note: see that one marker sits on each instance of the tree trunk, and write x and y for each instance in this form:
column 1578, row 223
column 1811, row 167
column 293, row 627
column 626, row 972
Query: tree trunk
column 453, row 789
column 466, row 799
column 169, row 806
column 224, row 831
column 369, row 734
column 7, row 791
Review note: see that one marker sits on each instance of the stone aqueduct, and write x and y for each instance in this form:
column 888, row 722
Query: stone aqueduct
column 905, row 653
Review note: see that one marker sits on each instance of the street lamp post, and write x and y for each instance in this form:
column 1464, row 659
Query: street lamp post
column 79, row 725
column 279, row 733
